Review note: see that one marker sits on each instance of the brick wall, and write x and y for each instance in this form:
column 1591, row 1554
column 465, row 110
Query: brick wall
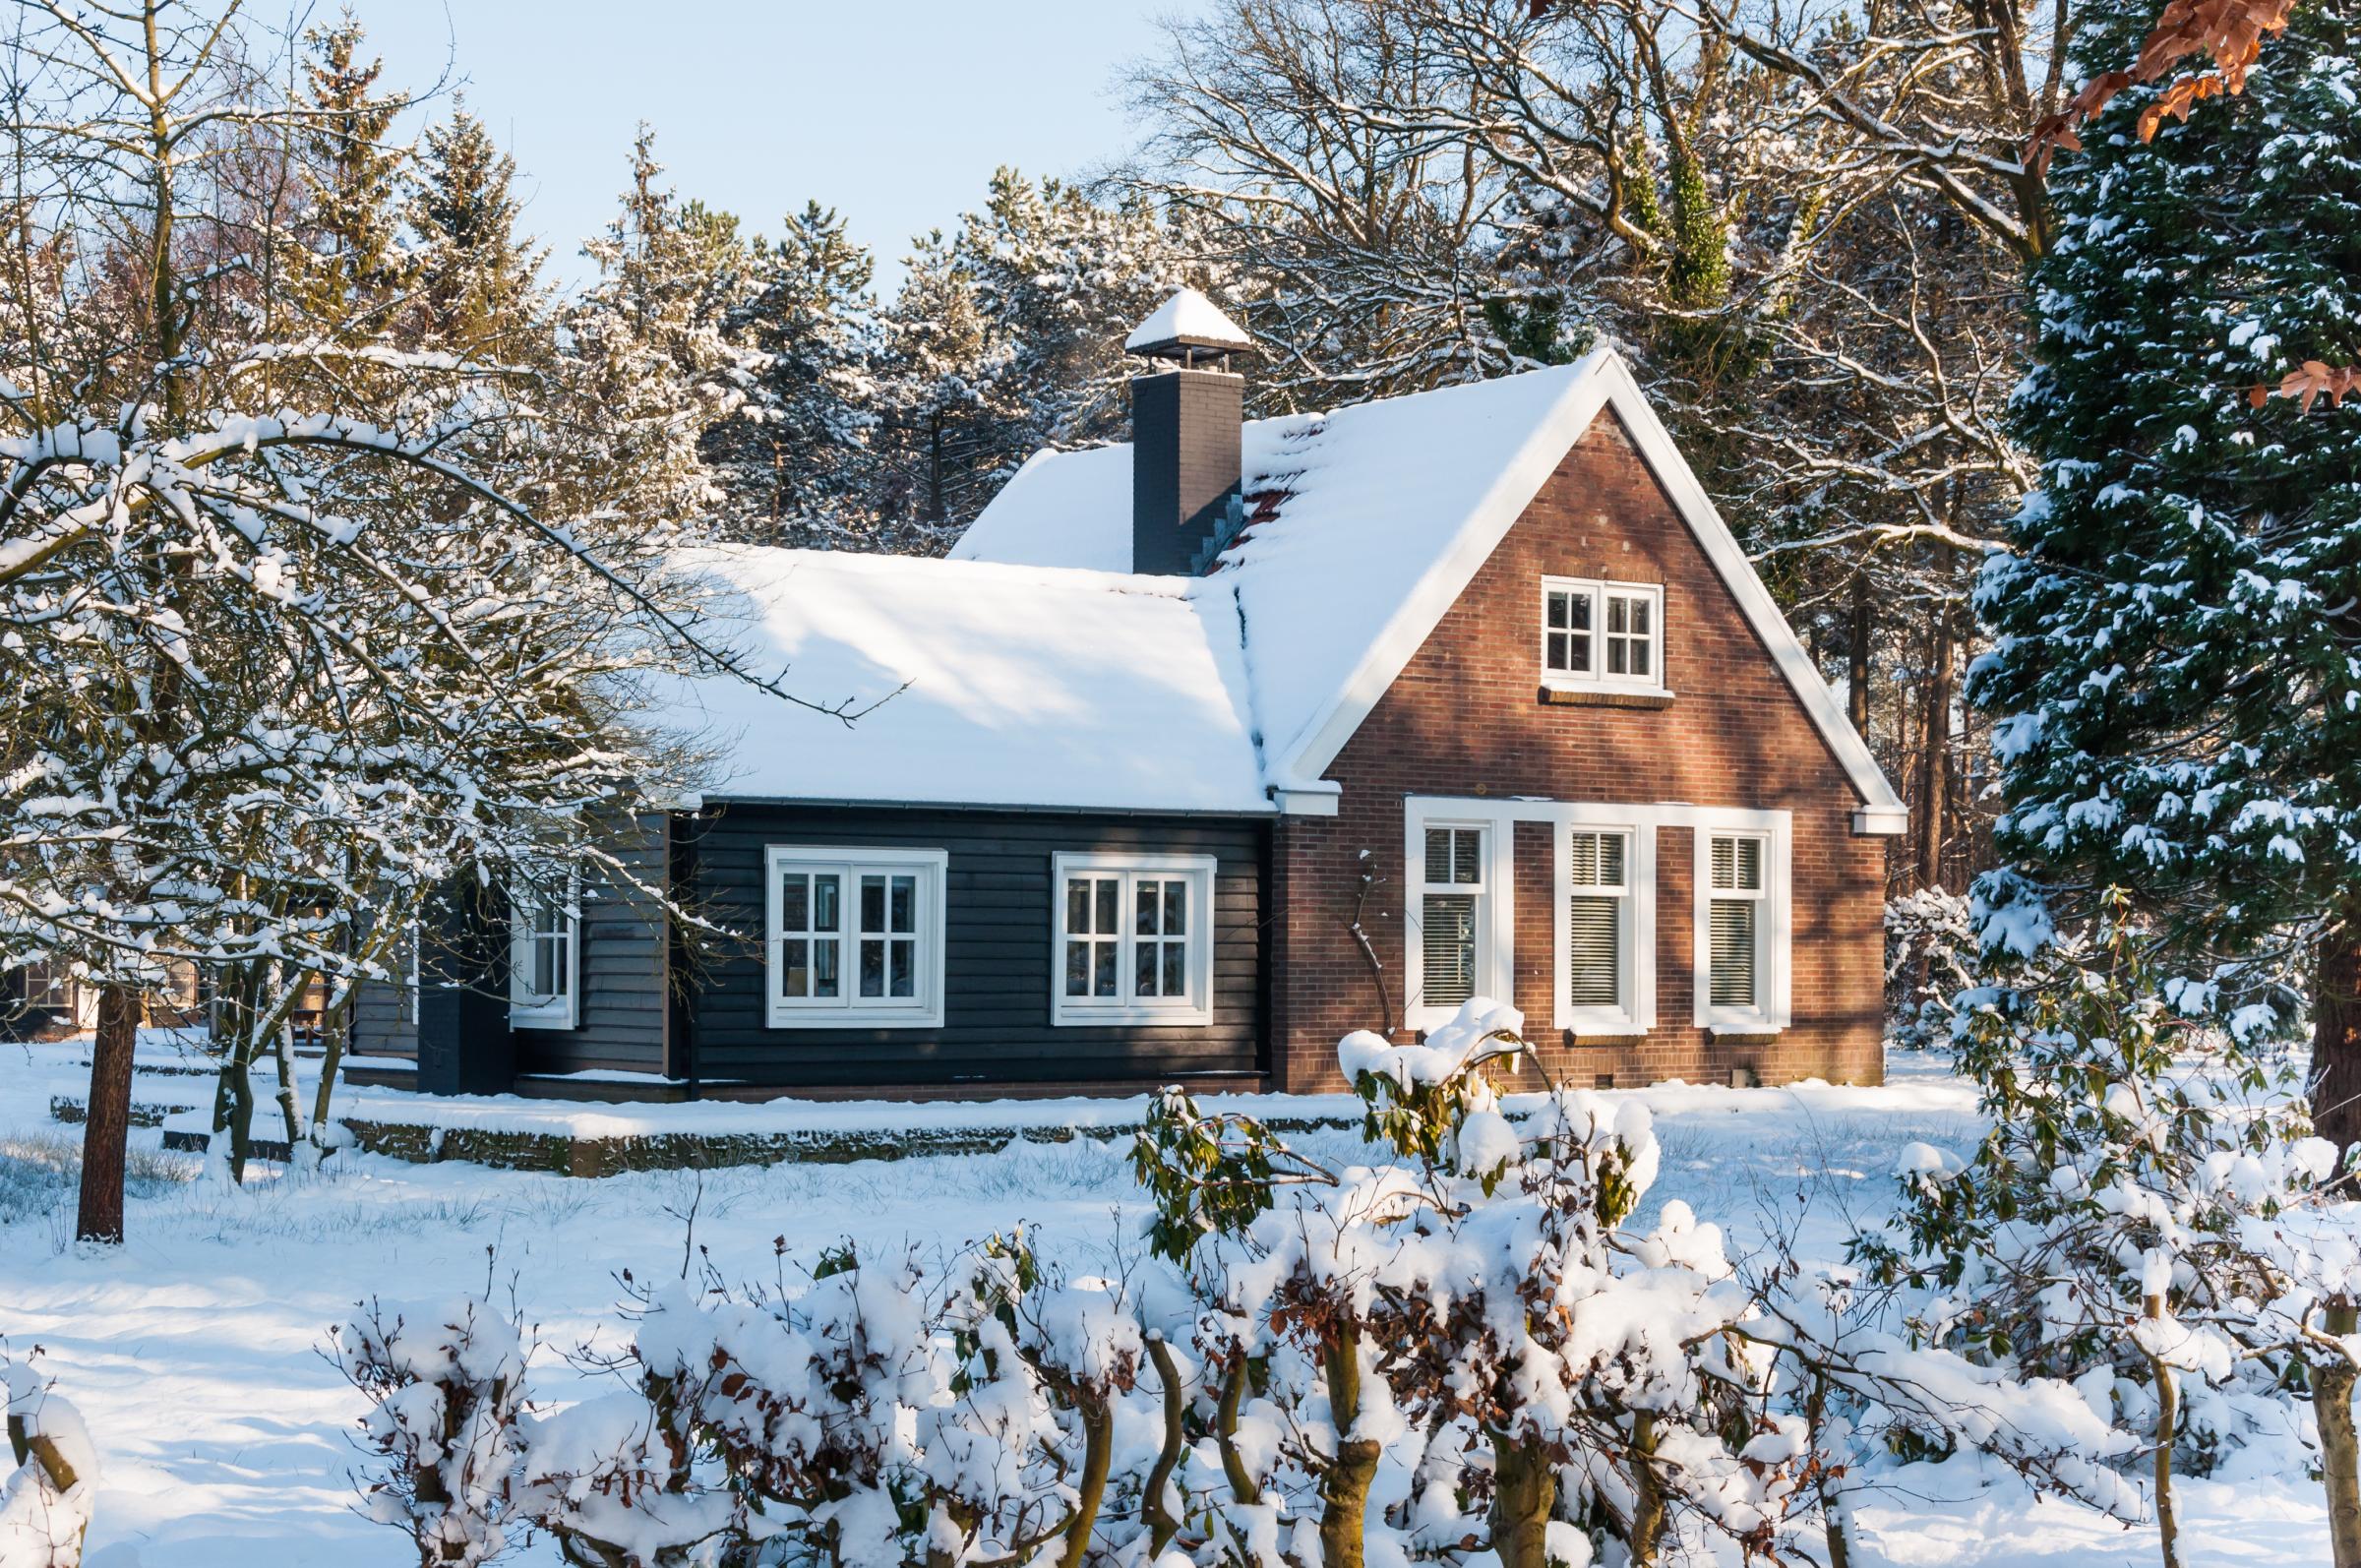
column 1465, row 718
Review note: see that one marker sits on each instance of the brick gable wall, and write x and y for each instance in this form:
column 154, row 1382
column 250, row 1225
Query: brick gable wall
column 1465, row 718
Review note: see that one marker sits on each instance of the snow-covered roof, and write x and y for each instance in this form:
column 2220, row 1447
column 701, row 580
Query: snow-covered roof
column 1188, row 317
column 1004, row 684
column 1370, row 522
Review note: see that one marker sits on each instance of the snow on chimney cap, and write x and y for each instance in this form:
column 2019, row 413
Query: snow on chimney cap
column 1187, row 321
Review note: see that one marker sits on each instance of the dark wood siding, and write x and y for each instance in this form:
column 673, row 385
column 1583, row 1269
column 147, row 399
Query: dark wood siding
column 620, row 1021
column 995, row 1025
column 384, row 1023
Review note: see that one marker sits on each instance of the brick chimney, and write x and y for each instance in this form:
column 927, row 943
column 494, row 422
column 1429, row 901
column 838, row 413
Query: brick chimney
column 1185, row 436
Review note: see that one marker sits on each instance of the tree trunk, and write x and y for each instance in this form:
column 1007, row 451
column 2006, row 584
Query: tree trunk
column 1098, row 1456
column 1857, row 669
column 1934, row 784
column 1225, row 1431
column 2339, row 1449
column 2168, row 1423
column 1836, row 1516
column 106, row 1128
column 1524, row 1492
column 2337, row 1038
column 1647, row 1491
column 1345, row 1490
column 1162, row 1524
column 282, row 1050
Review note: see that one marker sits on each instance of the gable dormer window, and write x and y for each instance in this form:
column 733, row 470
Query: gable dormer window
column 1602, row 636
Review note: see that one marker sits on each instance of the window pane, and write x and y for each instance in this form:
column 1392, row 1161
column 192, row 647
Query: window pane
column 1557, row 659
column 1639, row 616
column 1618, row 612
column 1595, row 951
column 825, row 916
column 1175, row 969
column 541, row 978
column 1581, row 860
column 1725, row 861
column 795, row 966
column 1467, row 854
column 1618, row 656
column 795, row 902
column 1175, row 909
column 1612, row 847
column 1557, row 611
column 1750, row 864
column 1578, row 652
column 1639, row 659
column 1578, row 605
column 1077, row 904
column 1438, row 854
column 872, row 903
column 903, row 979
column 1108, row 891
column 1103, row 970
column 872, row 964
column 824, row 978
column 904, row 910
column 1077, row 969
column 1143, row 969
column 1733, row 952
column 1448, row 949
column 1144, row 908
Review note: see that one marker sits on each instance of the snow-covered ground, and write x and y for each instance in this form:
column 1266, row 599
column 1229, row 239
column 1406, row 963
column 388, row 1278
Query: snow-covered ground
column 194, row 1350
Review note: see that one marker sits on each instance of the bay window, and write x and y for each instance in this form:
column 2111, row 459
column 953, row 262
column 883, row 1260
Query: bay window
column 1133, row 938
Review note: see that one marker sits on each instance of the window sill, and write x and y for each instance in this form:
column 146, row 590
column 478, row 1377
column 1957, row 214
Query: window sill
column 1578, row 1028
column 542, row 1018
column 1164, row 1017
column 1587, row 695
column 1751, row 1028
column 854, row 1018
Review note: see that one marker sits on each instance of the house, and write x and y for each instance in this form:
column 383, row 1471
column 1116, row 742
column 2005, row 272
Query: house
column 1200, row 752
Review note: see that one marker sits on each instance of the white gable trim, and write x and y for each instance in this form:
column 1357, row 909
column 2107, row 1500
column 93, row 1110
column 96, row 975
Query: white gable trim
column 1605, row 384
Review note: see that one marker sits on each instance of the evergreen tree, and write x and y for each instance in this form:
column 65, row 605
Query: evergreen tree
column 647, row 370
column 935, row 361
column 2177, row 670
column 347, row 273
column 477, row 286
column 793, row 458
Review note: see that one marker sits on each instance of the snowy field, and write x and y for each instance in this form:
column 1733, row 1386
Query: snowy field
column 194, row 1350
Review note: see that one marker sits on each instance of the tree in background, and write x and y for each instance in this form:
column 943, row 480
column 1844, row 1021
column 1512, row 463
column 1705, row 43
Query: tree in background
column 477, row 277
column 344, row 259
column 2176, row 673
column 794, row 457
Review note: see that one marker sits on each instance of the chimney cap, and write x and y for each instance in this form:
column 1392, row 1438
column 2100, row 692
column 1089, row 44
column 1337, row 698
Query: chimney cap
column 1184, row 325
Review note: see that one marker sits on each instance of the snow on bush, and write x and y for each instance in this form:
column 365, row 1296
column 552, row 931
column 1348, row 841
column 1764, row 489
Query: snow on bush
column 45, row 1502
column 1466, row 1344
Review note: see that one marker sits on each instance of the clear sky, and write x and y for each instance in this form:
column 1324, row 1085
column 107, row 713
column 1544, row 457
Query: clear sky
column 893, row 111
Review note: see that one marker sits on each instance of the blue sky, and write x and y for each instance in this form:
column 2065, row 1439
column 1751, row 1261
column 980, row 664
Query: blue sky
column 895, row 113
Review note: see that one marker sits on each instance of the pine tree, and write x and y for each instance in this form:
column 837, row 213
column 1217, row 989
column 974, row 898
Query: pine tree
column 2177, row 671
column 935, row 359
column 347, row 273
column 647, row 370
column 793, row 459
column 477, row 286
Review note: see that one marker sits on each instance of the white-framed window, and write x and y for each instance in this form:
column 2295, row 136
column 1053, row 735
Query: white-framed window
column 854, row 936
column 1457, row 906
column 1603, row 636
column 1132, row 938
column 1607, row 924
column 1743, row 928
column 545, row 922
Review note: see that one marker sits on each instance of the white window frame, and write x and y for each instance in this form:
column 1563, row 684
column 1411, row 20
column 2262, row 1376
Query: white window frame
column 923, row 1010
column 1595, row 679
column 1636, row 1012
column 1772, row 929
column 1495, row 908
column 528, row 1008
column 1193, row 1010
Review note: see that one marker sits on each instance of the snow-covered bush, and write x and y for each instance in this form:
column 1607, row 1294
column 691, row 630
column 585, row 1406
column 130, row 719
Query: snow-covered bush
column 45, row 1501
column 448, row 1378
column 2107, row 1229
column 1931, row 959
